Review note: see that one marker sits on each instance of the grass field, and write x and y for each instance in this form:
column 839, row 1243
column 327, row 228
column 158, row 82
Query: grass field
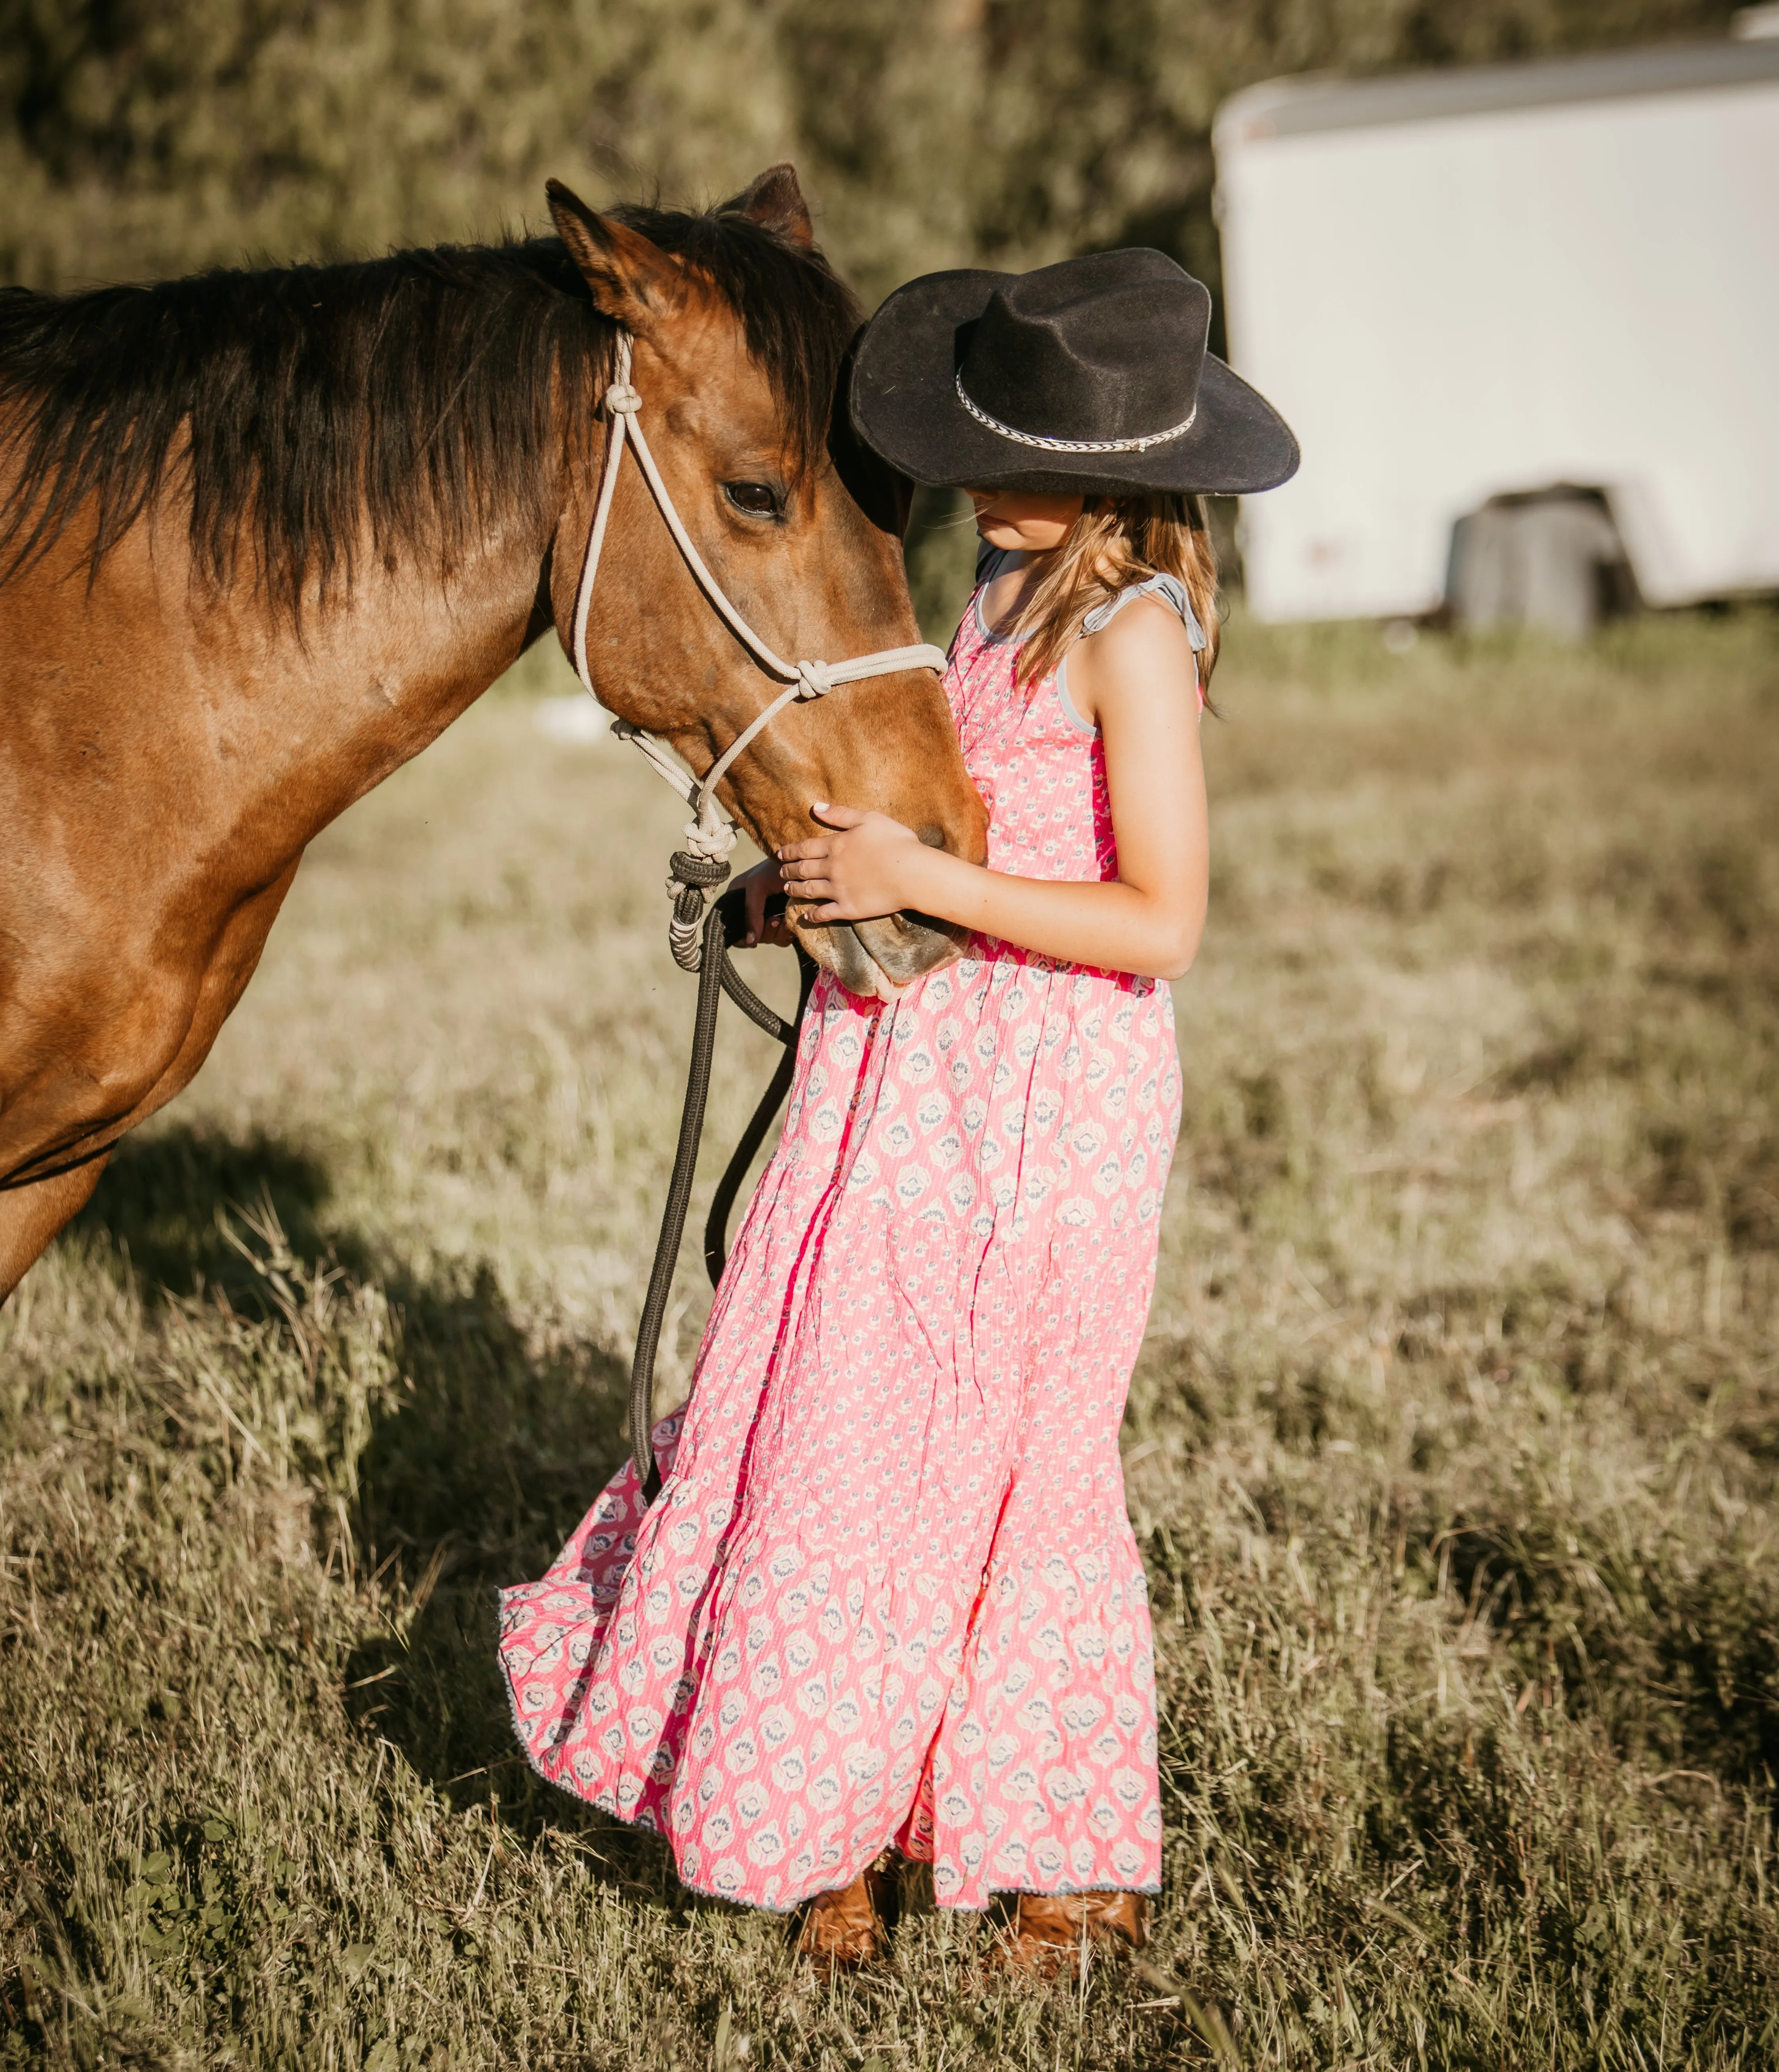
column 1453, row 1450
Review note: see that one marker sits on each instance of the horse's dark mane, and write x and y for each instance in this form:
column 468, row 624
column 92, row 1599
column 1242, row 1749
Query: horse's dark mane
column 414, row 396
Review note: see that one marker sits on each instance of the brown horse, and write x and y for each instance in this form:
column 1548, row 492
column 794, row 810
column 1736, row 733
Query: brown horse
column 264, row 535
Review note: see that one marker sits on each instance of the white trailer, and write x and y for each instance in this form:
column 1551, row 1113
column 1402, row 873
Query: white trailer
column 1481, row 291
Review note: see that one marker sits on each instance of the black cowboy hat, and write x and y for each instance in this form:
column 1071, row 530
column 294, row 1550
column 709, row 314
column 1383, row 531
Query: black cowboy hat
column 1090, row 375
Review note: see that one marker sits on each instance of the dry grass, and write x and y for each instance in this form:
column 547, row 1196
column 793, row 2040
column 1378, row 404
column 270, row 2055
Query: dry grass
column 1452, row 1448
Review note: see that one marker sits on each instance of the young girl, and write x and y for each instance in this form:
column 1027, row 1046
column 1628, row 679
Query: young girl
column 888, row 1596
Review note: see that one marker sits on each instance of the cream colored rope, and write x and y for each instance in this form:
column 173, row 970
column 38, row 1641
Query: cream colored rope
column 711, row 834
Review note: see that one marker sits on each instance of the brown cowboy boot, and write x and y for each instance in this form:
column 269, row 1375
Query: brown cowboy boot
column 1049, row 1930
column 846, row 1928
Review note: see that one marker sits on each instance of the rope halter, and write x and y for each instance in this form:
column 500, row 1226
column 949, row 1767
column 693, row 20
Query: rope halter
column 709, row 835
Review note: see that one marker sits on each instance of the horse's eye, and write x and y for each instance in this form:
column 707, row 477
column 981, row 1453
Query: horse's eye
column 754, row 498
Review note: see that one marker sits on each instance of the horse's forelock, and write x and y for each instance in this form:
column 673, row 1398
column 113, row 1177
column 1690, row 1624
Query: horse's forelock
column 797, row 316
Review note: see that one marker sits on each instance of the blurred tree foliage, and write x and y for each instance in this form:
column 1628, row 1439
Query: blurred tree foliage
column 144, row 137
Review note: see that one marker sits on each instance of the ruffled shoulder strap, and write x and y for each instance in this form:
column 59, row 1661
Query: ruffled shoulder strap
column 1170, row 589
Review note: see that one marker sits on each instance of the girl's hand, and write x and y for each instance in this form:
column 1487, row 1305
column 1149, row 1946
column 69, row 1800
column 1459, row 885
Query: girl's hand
column 867, row 867
column 757, row 886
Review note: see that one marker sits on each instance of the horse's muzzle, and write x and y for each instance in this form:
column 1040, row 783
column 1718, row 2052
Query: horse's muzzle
column 876, row 957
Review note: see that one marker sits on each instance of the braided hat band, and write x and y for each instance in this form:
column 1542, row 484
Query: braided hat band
column 1072, row 445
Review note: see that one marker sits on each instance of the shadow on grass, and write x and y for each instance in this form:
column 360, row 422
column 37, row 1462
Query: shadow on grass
column 168, row 1200
column 479, row 1478
column 481, row 1460
column 475, row 1481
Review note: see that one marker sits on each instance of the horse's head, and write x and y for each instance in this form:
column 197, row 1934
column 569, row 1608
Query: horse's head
column 741, row 334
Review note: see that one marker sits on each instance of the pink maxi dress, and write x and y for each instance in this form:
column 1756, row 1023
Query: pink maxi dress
column 889, row 1592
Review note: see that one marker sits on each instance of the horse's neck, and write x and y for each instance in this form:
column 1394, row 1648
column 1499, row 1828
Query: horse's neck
column 376, row 675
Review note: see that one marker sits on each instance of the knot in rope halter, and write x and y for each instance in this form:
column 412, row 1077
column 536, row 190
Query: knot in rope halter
column 698, row 938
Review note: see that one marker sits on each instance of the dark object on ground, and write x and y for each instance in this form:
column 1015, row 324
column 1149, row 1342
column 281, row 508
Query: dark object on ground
column 1550, row 561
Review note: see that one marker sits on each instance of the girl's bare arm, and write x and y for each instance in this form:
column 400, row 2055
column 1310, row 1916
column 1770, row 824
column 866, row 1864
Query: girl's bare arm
column 1137, row 680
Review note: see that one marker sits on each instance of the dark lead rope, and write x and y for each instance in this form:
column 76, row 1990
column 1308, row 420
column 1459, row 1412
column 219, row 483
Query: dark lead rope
column 716, row 1224
column 724, row 924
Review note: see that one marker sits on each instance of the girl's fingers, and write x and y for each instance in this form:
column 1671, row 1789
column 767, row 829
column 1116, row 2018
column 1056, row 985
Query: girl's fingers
column 836, row 816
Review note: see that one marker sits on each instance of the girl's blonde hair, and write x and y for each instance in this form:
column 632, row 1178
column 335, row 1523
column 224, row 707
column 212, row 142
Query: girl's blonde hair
column 1118, row 540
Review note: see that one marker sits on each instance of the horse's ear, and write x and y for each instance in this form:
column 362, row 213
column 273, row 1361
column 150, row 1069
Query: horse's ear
column 776, row 202
column 634, row 282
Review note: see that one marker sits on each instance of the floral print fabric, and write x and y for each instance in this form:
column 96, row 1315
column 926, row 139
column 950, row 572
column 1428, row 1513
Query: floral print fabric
column 889, row 1591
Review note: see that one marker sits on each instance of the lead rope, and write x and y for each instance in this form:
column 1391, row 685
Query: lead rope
column 696, row 937
column 716, row 975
